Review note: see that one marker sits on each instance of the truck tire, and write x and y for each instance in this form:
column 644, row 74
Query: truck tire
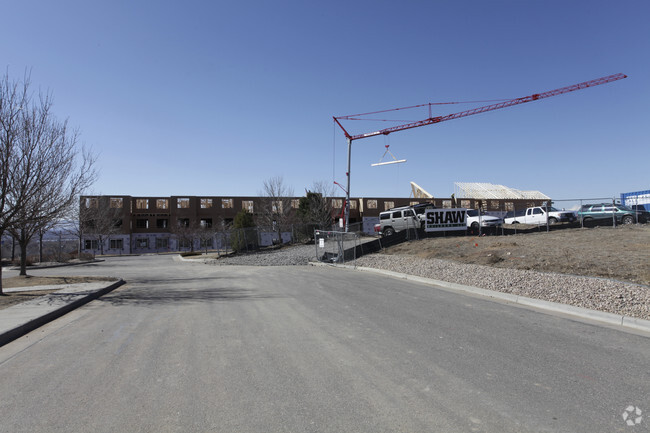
column 552, row 220
column 628, row 219
column 388, row 231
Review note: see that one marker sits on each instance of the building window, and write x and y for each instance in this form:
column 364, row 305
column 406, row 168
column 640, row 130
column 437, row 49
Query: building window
column 413, row 203
column 142, row 203
column 116, row 203
column 389, row 205
column 185, row 243
column 162, row 223
column 183, row 222
column 162, row 243
column 372, row 204
column 117, row 244
column 295, row 203
column 142, row 223
column 90, row 244
column 510, row 206
column 465, row 204
column 142, row 243
column 183, row 203
column 206, row 223
column 206, row 243
column 226, row 203
column 446, row 204
column 276, row 206
column 247, row 205
column 91, row 202
column 117, row 223
column 162, row 203
column 494, row 204
column 206, row 203
column 337, row 203
column 353, row 204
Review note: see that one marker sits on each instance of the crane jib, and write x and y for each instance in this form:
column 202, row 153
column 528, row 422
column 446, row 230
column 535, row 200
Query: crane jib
column 504, row 104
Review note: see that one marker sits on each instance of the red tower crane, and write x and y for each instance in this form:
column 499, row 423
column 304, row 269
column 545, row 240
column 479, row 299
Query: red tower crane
column 432, row 120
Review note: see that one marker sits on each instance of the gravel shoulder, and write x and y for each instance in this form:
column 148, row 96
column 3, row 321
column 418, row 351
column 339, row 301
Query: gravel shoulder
column 292, row 255
column 599, row 294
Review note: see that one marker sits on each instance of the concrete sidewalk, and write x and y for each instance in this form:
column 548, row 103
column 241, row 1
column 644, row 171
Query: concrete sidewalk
column 18, row 320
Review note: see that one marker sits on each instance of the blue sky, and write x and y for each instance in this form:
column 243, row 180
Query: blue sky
column 213, row 98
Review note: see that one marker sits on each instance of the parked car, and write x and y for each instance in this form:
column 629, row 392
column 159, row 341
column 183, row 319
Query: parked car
column 402, row 218
column 642, row 211
column 476, row 220
column 537, row 215
column 602, row 212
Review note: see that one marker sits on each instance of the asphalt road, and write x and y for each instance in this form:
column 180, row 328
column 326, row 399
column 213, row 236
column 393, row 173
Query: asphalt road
column 191, row 347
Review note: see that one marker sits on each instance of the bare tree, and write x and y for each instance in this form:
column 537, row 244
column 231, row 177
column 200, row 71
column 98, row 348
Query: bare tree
column 276, row 210
column 99, row 219
column 41, row 234
column 13, row 97
column 47, row 170
column 206, row 234
column 185, row 230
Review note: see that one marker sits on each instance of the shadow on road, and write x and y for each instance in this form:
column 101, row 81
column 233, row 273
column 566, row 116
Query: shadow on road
column 152, row 296
column 172, row 280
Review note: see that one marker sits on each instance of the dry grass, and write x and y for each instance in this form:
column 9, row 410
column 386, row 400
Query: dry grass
column 29, row 281
column 621, row 253
column 13, row 298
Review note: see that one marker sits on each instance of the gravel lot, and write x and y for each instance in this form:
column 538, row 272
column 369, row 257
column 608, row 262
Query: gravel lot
column 287, row 256
column 545, row 274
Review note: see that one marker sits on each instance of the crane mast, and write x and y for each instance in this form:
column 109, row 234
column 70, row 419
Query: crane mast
column 458, row 115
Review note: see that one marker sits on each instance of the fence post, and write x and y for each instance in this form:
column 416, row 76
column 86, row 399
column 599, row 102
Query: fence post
column 547, row 225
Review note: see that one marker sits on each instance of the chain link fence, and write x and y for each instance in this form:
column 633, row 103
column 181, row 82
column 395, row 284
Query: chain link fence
column 336, row 246
column 584, row 212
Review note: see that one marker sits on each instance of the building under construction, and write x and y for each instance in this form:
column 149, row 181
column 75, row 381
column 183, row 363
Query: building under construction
column 148, row 224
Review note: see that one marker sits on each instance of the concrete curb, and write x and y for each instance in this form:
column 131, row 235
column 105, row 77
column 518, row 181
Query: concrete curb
column 37, row 316
column 583, row 313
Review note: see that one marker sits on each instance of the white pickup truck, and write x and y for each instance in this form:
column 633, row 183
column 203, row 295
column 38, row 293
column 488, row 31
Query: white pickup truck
column 537, row 215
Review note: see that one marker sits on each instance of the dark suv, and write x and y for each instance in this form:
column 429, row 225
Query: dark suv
column 593, row 213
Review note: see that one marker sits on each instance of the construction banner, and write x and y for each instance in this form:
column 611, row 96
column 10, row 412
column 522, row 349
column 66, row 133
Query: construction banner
column 437, row 220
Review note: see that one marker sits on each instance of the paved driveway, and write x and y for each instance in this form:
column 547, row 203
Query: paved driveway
column 190, row 347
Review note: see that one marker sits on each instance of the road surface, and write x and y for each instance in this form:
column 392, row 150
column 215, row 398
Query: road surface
column 191, row 347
